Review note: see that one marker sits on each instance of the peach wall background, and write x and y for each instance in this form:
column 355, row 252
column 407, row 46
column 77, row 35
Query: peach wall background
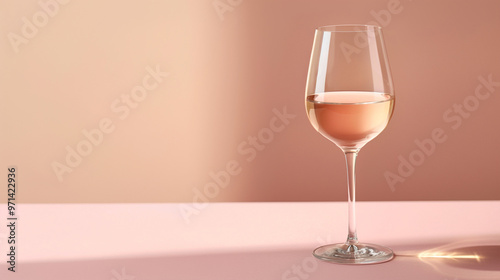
column 178, row 87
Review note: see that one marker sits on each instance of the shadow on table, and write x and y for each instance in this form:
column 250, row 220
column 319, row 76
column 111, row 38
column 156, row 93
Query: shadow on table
column 472, row 259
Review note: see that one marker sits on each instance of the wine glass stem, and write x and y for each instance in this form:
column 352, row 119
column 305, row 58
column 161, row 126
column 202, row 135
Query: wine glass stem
column 350, row 157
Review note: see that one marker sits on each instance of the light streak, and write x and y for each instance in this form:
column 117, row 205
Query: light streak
column 441, row 255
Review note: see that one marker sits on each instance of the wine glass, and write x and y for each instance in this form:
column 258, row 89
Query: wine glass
column 350, row 100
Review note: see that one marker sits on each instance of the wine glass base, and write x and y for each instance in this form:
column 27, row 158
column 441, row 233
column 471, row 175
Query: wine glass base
column 354, row 254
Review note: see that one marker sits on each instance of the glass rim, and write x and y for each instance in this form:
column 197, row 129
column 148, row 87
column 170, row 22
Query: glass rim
column 348, row 27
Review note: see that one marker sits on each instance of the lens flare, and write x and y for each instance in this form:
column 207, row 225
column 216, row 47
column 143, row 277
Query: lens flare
column 445, row 255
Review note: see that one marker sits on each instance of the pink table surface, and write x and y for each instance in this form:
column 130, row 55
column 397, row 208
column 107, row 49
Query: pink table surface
column 432, row 240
